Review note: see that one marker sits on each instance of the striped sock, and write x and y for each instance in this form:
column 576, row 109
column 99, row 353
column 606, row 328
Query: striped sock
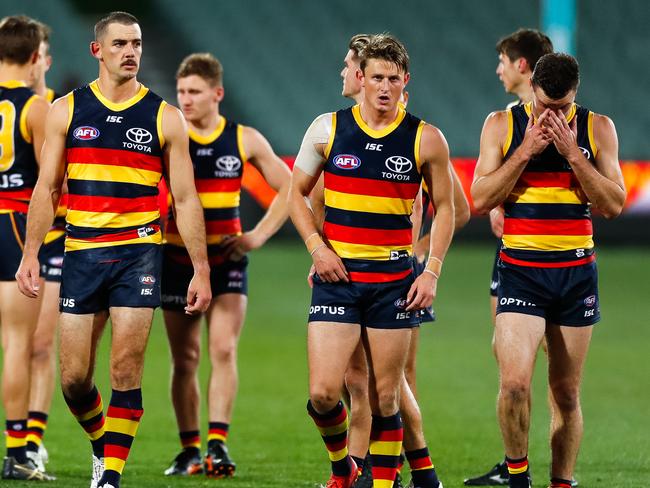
column 122, row 420
column 217, row 433
column 385, row 449
column 36, row 425
column 190, row 439
column 333, row 428
column 359, row 462
column 518, row 471
column 16, row 440
column 89, row 412
column 422, row 470
column 560, row 483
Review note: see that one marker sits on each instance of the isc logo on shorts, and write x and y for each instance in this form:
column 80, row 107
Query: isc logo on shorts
column 327, row 310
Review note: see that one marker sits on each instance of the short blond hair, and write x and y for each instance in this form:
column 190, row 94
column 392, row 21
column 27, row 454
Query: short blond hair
column 387, row 48
column 204, row 65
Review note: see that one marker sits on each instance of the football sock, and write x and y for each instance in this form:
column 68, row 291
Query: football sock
column 89, row 412
column 36, row 425
column 385, row 448
column 217, row 433
column 359, row 462
column 560, row 483
column 423, row 472
column 16, row 440
column 333, row 428
column 190, row 440
column 122, row 421
column 518, row 471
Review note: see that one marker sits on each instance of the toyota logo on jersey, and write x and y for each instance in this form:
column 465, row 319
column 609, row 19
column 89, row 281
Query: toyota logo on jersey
column 398, row 164
column 138, row 135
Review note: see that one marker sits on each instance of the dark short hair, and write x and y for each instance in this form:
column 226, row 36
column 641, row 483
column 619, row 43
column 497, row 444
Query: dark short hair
column 123, row 18
column 358, row 43
column 387, row 48
column 529, row 44
column 557, row 74
column 20, row 37
column 204, row 65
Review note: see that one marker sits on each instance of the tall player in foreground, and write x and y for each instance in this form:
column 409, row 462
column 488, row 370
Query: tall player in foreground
column 374, row 157
column 115, row 139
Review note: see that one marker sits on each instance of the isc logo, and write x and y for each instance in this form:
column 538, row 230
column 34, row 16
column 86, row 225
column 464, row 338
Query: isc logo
column 114, row 118
column 347, row 161
column 85, row 133
column 371, row 146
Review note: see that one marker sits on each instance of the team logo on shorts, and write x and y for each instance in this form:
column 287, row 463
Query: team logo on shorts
column 147, row 280
column 590, row 301
column 85, row 133
column 400, row 303
column 347, row 161
column 234, row 274
column 56, row 261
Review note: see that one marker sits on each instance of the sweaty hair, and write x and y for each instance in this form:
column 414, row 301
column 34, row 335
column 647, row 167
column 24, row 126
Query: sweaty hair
column 529, row 44
column 358, row 43
column 20, row 38
column 123, row 18
column 387, row 48
column 557, row 74
column 204, row 65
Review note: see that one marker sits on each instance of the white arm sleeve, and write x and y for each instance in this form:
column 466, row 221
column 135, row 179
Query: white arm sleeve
column 308, row 159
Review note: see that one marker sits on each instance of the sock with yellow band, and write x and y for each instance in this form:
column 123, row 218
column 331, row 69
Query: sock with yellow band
column 518, row 471
column 36, row 425
column 333, row 428
column 88, row 409
column 16, row 440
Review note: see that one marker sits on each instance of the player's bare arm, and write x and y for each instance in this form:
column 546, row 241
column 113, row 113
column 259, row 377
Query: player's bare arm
column 277, row 175
column 45, row 197
column 495, row 178
column 436, row 172
column 36, row 124
column 187, row 207
column 603, row 183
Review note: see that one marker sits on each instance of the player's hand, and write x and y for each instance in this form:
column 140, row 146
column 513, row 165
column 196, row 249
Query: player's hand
column 564, row 136
column 536, row 136
column 199, row 293
column 310, row 276
column 496, row 221
column 236, row 247
column 27, row 276
column 329, row 266
column 422, row 292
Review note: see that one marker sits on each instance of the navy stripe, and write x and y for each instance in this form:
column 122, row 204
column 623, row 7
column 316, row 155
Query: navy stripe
column 331, row 439
column 77, row 232
column 216, row 213
column 367, row 220
column 118, row 439
column 110, row 189
column 547, row 256
column 372, row 266
column 384, row 461
column 547, row 211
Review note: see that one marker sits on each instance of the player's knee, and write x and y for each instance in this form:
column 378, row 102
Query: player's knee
column 74, row 385
column 515, row 391
column 224, row 352
column 43, row 351
column 566, row 397
column 356, row 381
column 387, row 401
column 187, row 363
column 323, row 398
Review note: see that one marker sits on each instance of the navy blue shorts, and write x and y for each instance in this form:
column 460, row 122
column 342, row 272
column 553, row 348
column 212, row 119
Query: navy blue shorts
column 563, row 296
column 118, row 276
column 225, row 277
column 12, row 230
column 374, row 305
column 51, row 258
column 494, row 282
column 426, row 314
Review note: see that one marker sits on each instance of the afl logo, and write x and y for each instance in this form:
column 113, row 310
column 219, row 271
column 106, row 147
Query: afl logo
column 147, row 280
column 138, row 135
column 585, row 151
column 590, row 301
column 399, row 164
column 228, row 163
column 400, row 303
column 347, row 161
column 85, row 133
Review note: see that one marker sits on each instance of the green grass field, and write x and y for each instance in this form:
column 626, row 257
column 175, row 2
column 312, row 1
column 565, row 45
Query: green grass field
column 275, row 444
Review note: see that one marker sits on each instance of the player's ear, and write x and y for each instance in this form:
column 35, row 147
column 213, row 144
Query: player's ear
column 219, row 92
column 34, row 58
column 95, row 50
column 522, row 65
column 407, row 77
column 359, row 75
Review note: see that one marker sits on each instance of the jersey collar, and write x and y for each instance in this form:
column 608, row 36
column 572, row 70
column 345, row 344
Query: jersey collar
column 569, row 117
column 118, row 107
column 210, row 138
column 13, row 84
column 376, row 134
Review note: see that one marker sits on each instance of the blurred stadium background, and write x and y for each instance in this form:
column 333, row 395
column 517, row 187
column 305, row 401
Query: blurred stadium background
column 282, row 60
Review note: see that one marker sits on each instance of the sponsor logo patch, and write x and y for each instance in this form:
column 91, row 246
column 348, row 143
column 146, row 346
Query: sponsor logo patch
column 85, row 133
column 590, row 301
column 138, row 135
column 147, row 279
column 228, row 163
column 346, row 161
column 398, row 164
column 400, row 303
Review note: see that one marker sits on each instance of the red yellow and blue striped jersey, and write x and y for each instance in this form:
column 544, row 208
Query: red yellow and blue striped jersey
column 218, row 160
column 547, row 214
column 371, row 181
column 18, row 166
column 114, row 156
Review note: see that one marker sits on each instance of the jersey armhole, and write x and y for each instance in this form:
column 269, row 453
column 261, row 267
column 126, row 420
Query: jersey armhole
column 240, row 143
column 23, row 119
column 508, row 141
column 418, row 142
column 590, row 134
column 70, row 111
column 159, row 122
column 330, row 142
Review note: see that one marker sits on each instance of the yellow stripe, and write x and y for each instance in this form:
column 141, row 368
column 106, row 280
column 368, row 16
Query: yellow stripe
column 110, row 220
column 528, row 107
column 376, row 134
column 240, row 143
column 386, row 448
column 15, row 441
column 334, row 429
column 119, row 174
column 416, row 148
column 49, row 95
column 31, row 423
column 382, row 483
column 430, row 466
column 547, row 242
column 122, row 426
column 508, row 141
column 79, row 245
column 70, row 97
column 517, row 470
column 13, row 84
column 330, row 142
column 114, row 464
column 118, row 107
column 53, row 235
column 338, row 455
column 365, row 251
column 365, row 203
column 220, row 199
column 93, row 436
column 590, row 134
column 88, row 415
column 159, row 122
column 5, row 211
column 217, row 437
column 23, row 119
column 34, row 438
column 209, row 139
column 522, row 194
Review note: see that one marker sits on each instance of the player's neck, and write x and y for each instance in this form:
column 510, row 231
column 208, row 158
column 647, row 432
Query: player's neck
column 524, row 92
column 39, row 87
column 377, row 119
column 207, row 125
column 118, row 91
column 10, row 72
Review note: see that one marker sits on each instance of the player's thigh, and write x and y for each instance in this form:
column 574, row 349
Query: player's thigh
column 184, row 336
column 567, row 351
column 18, row 314
column 76, row 340
column 130, row 332
column 387, row 351
column 516, row 340
column 48, row 317
column 329, row 348
column 225, row 321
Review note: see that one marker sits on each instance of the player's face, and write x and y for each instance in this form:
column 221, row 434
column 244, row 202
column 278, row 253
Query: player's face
column 196, row 98
column 43, row 63
column 508, row 73
column 120, row 49
column 383, row 83
column 541, row 101
column 351, row 83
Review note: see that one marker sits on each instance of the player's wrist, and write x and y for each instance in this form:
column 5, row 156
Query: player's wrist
column 434, row 267
column 314, row 242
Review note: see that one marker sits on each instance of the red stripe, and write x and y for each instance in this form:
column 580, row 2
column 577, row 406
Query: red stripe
column 17, row 434
column 119, row 452
column 24, row 194
column 555, row 227
column 364, row 277
column 420, row 463
column 522, row 464
column 113, row 157
column 340, row 418
column 336, row 446
column 383, row 473
column 81, row 411
column 218, row 431
column 545, row 180
column 370, row 187
column 119, row 236
column 96, row 426
column 218, row 184
column 364, row 235
column 538, row 264
column 221, row 227
column 100, row 204
column 394, row 435
column 14, row 205
column 185, row 260
column 124, row 413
